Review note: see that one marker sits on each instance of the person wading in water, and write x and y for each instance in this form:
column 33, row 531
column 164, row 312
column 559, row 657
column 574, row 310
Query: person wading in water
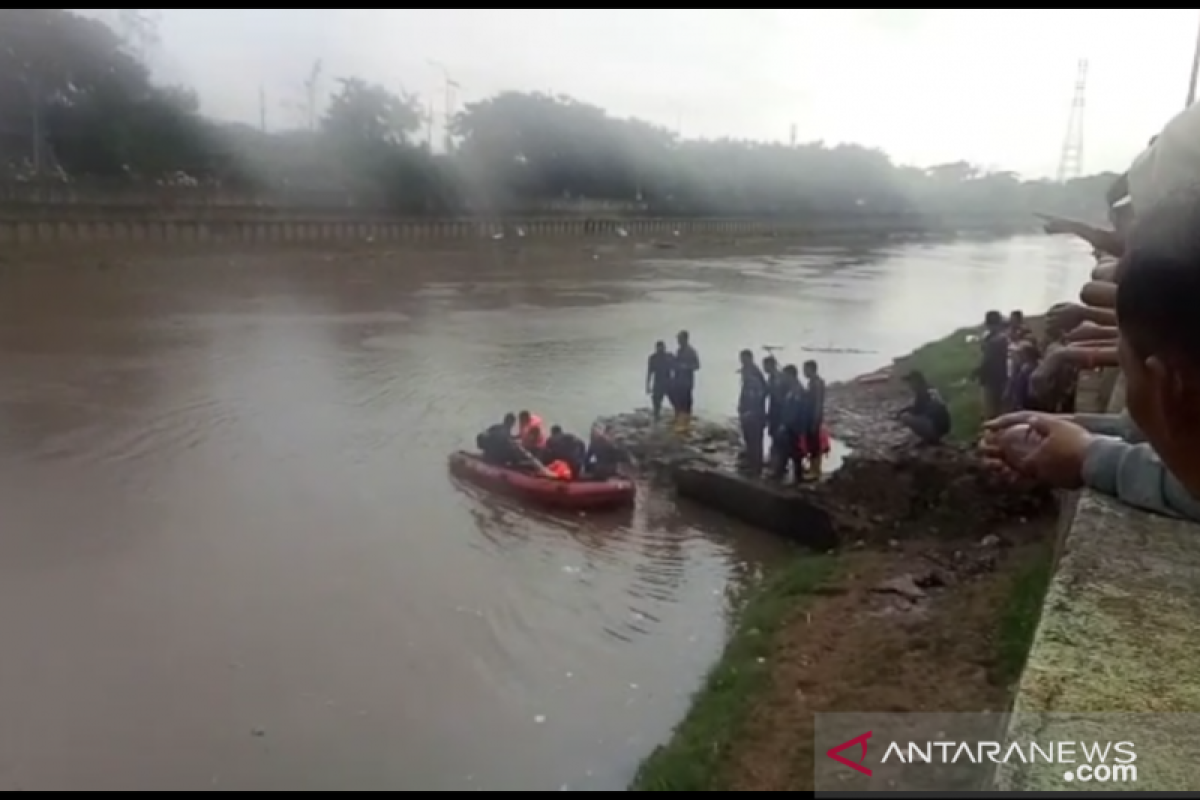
column 660, row 371
column 687, row 364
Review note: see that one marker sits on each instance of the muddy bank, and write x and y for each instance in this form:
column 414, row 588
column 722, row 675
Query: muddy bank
column 927, row 602
column 883, row 485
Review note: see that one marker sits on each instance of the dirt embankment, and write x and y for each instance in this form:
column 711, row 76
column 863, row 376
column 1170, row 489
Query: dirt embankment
column 928, row 606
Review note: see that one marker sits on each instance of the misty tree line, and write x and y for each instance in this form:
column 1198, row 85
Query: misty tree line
column 77, row 103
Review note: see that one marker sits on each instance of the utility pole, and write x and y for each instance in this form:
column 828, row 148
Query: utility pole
column 1191, row 98
column 793, row 135
column 262, row 108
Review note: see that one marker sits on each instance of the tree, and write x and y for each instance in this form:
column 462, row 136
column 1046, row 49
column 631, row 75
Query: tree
column 366, row 113
column 75, row 93
column 80, row 99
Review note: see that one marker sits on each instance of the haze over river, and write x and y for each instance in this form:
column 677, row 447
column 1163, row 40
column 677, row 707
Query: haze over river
column 231, row 557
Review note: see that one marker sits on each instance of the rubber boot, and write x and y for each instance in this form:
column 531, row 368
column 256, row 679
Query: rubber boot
column 685, row 422
column 814, row 468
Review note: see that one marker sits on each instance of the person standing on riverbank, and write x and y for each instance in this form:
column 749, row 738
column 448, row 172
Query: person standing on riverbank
column 752, row 411
column 687, row 364
column 793, row 423
column 814, row 446
column 992, row 372
column 660, row 368
column 775, row 396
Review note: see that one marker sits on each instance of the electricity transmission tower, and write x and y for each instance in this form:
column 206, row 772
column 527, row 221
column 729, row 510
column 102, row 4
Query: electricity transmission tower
column 1070, row 162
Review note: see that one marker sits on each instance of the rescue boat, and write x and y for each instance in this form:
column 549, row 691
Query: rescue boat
column 545, row 491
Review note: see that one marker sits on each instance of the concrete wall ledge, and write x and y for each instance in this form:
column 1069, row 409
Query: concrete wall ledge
column 1116, row 648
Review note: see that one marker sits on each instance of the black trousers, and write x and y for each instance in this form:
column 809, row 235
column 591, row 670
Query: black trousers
column 657, row 395
column 682, row 399
column 753, row 427
column 786, row 452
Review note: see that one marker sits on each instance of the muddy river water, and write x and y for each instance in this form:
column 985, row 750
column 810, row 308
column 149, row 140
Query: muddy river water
column 231, row 558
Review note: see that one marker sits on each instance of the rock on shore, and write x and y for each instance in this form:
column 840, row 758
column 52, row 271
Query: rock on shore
column 885, row 486
column 656, row 447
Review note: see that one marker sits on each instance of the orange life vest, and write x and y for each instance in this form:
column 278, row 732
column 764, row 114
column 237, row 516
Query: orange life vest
column 534, row 422
column 560, row 469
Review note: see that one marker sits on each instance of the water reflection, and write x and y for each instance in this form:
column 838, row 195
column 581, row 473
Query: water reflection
column 227, row 512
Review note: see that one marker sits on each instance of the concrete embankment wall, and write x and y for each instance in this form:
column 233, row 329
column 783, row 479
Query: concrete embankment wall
column 74, row 224
column 1116, row 647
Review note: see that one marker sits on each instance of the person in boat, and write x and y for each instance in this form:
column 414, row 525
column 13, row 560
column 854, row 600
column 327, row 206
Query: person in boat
column 927, row 416
column 534, row 442
column 603, row 457
column 683, row 386
column 660, row 371
column 496, row 443
column 565, row 448
column 814, row 446
column 752, row 411
column 531, row 431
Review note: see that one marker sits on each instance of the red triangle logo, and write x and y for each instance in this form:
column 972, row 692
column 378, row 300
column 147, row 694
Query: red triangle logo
column 860, row 741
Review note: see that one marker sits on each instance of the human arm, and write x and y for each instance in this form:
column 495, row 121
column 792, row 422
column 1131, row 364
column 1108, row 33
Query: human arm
column 649, row 374
column 1134, row 474
column 1120, row 426
column 1106, row 241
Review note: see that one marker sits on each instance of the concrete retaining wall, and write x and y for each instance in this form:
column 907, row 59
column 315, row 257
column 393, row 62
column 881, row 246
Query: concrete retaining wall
column 224, row 227
column 1116, row 642
column 103, row 224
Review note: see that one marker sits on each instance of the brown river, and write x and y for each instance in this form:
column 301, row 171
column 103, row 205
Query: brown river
column 231, row 557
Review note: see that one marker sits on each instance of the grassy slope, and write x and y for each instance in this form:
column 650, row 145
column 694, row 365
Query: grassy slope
column 692, row 759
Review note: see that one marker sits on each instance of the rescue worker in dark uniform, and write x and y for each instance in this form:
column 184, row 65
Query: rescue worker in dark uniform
column 687, row 364
column 603, row 457
column 752, row 411
column 792, row 425
column 776, row 392
column 814, row 444
column 566, row 447
column 660, row 371
column 496, row 443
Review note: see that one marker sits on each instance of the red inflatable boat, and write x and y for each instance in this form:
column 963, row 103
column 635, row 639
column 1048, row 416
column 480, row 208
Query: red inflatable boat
column 585, row 494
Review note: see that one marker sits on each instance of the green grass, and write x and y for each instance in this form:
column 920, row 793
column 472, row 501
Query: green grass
column 1021, row 613
column 694, row 758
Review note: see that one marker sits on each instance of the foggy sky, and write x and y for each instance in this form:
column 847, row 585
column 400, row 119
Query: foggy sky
column 990, row 86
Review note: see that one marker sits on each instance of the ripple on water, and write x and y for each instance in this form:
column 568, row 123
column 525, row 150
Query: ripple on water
column 646, row 549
